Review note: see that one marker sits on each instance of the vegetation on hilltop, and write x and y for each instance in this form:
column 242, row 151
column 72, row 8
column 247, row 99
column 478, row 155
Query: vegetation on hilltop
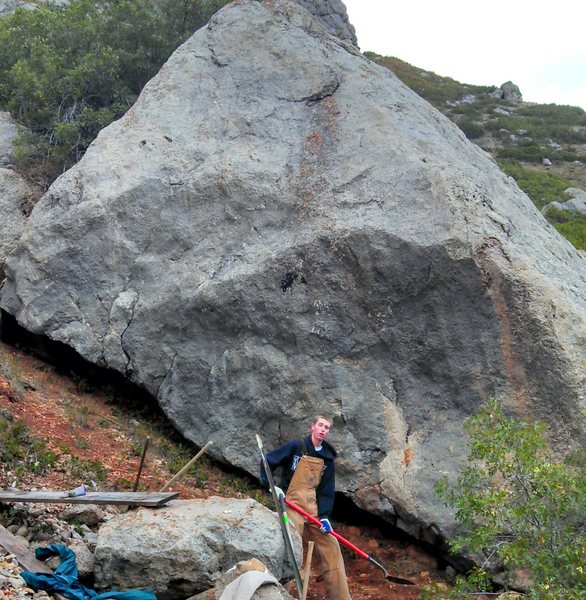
column 519, row 136
column 437, row 90
column 68, row 71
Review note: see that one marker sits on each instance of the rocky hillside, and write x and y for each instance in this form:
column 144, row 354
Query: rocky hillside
column 542, row 146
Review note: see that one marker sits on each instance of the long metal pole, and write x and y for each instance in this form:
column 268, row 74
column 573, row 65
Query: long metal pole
column 140, row 466
column 283, row 518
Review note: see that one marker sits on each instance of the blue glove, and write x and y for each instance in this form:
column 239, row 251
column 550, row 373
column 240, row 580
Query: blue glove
column 326, row 526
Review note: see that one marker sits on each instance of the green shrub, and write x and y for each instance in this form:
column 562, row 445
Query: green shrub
column 528, row 150
column 520, row 505
column 574, row 230
column 19, row 451
column 10, row 371
column 472, row 129
column 434, row 88
column 540, row 186
column 540, row 127
column 86, row 470
column 558, row 114
column 544, row 188
column 67, row 72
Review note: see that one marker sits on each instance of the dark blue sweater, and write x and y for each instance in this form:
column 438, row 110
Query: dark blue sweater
column 288, row 456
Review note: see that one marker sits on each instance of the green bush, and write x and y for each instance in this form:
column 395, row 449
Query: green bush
column 11, row 372
column 19, row 451
column 541, row 128
column 558, row 114
column 574, row 230
column 471, row 128
column 521, row 506
column 528, row 150
column 540, row 186
column 434, row 88
column 67, row 72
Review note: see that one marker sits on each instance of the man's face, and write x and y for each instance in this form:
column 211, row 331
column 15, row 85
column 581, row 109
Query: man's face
column 320, row 430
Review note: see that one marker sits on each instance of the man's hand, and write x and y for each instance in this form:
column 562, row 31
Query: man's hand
column 280, row 493
column 326, row 526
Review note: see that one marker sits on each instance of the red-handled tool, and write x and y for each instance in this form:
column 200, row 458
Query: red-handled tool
column 348, row 544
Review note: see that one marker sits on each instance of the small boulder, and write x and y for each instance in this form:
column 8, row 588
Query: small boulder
column 180, row 549
column 575, row 204
column 85, row 514
column 84, row 557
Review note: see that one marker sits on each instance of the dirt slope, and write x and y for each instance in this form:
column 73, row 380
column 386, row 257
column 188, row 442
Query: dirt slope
column 98, row 433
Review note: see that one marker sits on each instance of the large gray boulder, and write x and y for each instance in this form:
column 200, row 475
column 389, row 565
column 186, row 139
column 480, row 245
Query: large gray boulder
column 9, row 6
column 181, row 549
column 279, row 227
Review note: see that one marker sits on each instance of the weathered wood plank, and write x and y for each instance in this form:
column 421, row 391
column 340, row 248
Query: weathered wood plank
column 17, row 546
column 151, row 499
column 25, row 558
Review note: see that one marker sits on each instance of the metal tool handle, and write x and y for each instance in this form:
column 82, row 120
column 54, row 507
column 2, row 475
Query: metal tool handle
column 283, row 519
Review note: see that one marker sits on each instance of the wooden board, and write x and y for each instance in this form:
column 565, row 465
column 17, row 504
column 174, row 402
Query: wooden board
column 25, row 558
column 17, row 546
column 152, row 499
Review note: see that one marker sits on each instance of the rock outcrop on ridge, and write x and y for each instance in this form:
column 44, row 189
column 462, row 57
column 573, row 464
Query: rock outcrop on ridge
column 17, row 196
column 279, row 228
column 333, row 16
column 9, row 6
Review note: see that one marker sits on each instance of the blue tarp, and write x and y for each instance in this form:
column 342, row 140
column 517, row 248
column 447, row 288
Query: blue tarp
column 64, row 579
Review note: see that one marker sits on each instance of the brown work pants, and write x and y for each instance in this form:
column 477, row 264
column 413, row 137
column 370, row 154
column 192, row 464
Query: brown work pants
column 301, row 491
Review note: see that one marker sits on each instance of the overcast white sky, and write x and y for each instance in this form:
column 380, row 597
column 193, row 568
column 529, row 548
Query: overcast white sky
column 541, row 47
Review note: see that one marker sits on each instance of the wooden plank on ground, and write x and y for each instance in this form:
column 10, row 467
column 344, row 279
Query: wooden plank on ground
column 25, row 558
column 152, row 499
column 18, row 546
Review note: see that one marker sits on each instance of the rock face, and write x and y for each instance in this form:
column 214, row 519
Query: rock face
column 8, row 133
column 511, row 92
column 280, row 228
column 9, row 6
column 333, row 16
column 188, row 544
column 17, row 197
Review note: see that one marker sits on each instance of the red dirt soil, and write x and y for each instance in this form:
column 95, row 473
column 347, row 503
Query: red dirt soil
column 56, row 409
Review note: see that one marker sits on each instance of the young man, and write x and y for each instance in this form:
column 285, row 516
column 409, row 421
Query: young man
column 309, row 481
